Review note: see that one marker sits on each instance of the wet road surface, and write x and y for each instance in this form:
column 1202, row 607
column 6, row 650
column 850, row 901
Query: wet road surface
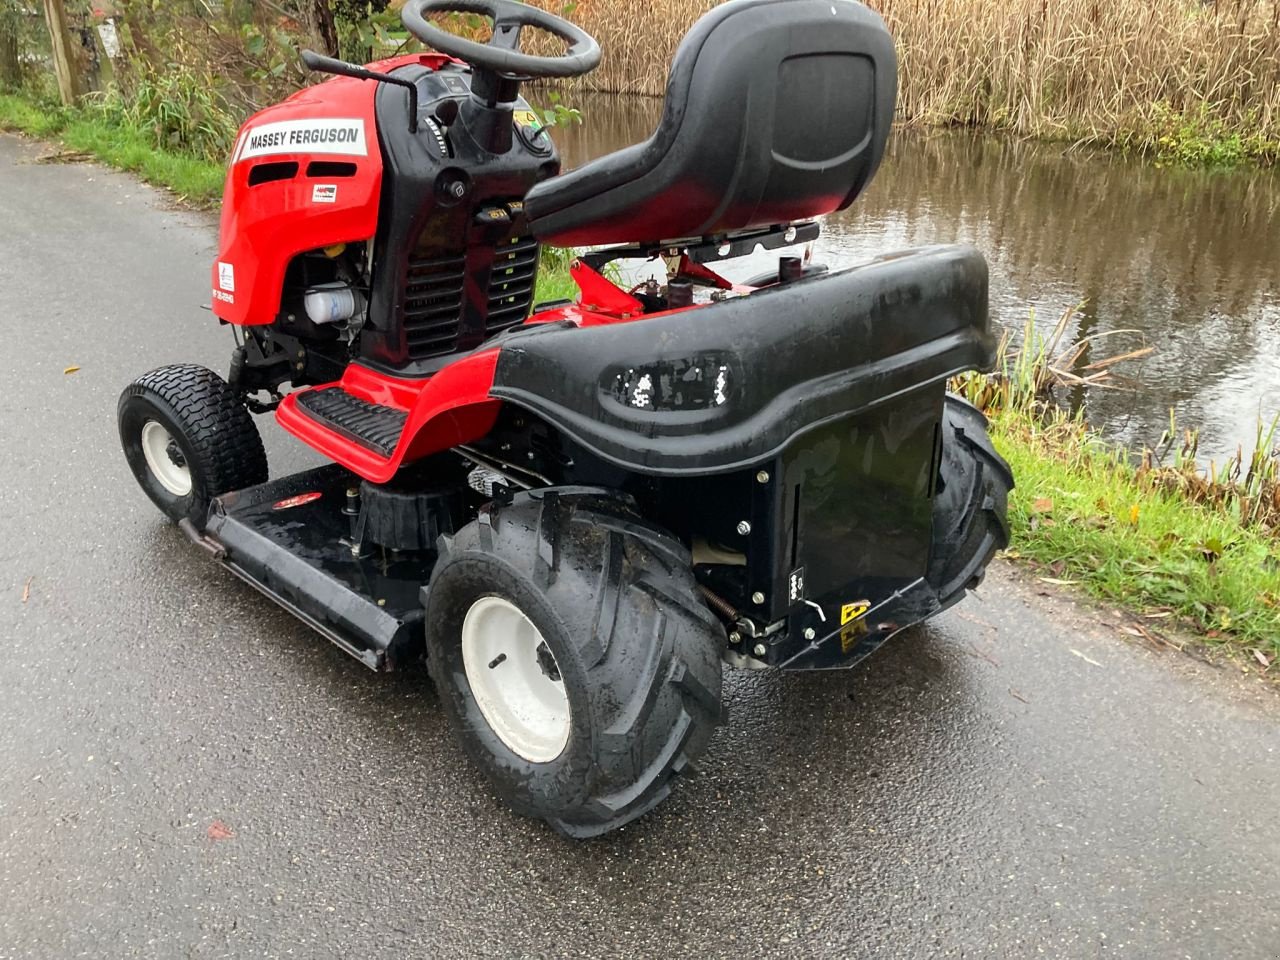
column 1014, row 781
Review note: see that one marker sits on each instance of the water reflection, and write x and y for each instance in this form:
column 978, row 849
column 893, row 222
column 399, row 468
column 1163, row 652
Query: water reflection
column 1188, row 259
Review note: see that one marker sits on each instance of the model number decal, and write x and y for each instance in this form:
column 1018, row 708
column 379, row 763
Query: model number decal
column 304, row 136
column 324, row 193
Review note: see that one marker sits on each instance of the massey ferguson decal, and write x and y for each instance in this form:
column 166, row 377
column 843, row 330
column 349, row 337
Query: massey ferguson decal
column 304, row 136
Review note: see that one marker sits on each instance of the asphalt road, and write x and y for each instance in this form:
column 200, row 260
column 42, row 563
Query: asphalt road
column 187, row 772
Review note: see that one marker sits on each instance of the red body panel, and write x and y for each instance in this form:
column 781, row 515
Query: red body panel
column 266, row 225
column 288, row 208
column 452, row 407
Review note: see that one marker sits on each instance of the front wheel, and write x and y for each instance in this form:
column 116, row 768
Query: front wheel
column 188, row 439
column 574, row 656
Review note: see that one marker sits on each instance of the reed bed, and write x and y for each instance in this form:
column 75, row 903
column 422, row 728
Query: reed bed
column 1159, row 75
column 638, row 40
column 1195, row 80
column 1246, row 485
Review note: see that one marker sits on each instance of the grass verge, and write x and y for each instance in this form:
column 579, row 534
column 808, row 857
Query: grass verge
column 197, row 181
column 1178, row 544
column 1083, row 512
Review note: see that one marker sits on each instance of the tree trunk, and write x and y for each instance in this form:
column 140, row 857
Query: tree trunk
column 326, row 29
column 64, row 60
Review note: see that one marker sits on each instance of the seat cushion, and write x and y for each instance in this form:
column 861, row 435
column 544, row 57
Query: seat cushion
column 775, row 111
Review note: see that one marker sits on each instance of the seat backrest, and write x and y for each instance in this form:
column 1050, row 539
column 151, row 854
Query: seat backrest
column 776, row 111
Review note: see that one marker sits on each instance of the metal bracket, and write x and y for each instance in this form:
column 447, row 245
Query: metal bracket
column 709, row 249
column 201, row 540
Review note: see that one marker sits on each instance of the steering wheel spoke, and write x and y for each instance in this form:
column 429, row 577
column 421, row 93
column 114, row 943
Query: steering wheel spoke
column 506, row 34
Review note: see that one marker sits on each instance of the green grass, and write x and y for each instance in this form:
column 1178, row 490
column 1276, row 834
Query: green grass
column 1084, row 512
column 38, row 120
column 1195, row 139
column 84, row 130
column 554, row 281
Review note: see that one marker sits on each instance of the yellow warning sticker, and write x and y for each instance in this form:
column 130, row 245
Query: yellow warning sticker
column 854, row 611
column 527, row 118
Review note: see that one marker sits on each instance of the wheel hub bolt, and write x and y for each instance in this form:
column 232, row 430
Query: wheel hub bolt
column 547, row 663
column 175, row 454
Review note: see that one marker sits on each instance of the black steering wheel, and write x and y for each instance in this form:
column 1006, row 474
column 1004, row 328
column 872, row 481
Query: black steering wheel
column 502, row 54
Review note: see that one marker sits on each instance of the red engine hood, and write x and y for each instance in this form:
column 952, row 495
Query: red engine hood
column 305, row 174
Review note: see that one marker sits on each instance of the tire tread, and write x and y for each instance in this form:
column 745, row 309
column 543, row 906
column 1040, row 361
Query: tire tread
column 214, row 423
column 970, row 512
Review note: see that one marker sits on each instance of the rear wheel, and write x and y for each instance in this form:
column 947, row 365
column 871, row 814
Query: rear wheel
column 188, row 439
column 970, row 520
column 574, row 656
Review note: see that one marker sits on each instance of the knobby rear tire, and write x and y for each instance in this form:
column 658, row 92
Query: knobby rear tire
column 970, row 511
column 637, row 649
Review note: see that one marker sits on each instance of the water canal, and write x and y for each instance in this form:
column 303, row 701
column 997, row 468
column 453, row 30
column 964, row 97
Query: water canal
column 1189, row 261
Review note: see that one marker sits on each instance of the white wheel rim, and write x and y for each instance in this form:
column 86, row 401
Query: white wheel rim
column 512, row 676
column 157, row 447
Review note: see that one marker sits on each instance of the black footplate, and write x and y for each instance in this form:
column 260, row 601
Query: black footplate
column 372, row 426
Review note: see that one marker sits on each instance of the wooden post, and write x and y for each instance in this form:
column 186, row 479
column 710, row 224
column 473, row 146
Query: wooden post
column 10, row 67
column 64, row 63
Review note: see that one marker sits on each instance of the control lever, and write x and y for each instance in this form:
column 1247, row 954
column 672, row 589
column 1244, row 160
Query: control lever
column 321, row 64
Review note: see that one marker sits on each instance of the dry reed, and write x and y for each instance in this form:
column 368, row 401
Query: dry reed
column 1127, row 71
column 1247, row 485
column 638, row 40
column 1143, row 73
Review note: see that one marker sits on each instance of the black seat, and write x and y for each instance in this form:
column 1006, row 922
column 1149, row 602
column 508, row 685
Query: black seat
column 776, row 111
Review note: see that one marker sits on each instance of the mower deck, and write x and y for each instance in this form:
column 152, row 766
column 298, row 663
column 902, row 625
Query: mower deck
column 291, row 540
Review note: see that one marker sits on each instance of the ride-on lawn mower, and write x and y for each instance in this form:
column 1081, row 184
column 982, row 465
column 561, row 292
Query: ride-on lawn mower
column 578, row 514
